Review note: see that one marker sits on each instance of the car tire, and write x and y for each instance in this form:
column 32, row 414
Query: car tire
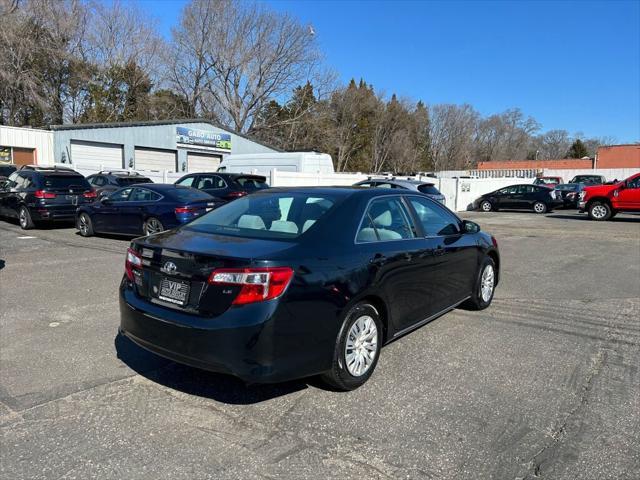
column 487, row 276
column 85, row 226
column 152, row 226
column 24, row 218
column 599, row 211
column 540, row 207
column 360, row 334
column 486, row 206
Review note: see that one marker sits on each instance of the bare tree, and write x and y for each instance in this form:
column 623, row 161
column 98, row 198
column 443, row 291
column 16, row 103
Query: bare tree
column 230, row 58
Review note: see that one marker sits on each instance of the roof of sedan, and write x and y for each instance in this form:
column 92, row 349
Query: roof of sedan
column 399, row 181
column 335, row 190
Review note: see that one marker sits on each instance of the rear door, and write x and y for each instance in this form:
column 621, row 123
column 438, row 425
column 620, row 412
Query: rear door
column 389, row 238
column 134, row 212
column 214, row 185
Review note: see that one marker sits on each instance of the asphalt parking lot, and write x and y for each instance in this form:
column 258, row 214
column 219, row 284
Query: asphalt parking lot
column 543, row 384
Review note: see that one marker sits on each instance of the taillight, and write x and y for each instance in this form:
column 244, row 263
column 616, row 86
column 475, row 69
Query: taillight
column 90, row 194
column 184, row 210
column 133, row 261
column 257, row 284
column 494, row 241
column 236, row 194
column 43, row 194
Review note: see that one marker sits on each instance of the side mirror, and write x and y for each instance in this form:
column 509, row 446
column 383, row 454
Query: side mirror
column 470, row 227
column 105, row 199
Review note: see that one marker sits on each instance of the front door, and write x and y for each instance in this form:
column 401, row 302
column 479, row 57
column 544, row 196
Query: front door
column 452, row 255
column 507, row 197
column 107, row 214
column 629, row 196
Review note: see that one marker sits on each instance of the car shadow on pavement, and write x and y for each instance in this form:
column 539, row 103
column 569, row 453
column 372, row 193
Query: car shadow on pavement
column 124, row 238
column 216, row 386
column 586, row 217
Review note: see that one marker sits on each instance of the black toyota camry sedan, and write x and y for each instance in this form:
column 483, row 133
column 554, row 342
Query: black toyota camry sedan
column 289, row 283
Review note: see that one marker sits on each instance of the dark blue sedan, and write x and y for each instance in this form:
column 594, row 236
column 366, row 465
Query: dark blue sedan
column 143, row 209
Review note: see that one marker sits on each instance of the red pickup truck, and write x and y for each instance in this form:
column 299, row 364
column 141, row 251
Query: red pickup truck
column 603, row 202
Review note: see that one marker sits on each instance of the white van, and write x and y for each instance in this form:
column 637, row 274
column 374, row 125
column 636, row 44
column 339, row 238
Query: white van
column 263, row 163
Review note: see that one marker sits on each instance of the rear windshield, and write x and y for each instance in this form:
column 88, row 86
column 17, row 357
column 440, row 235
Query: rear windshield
column 429, row 189
column 188, row 194
column 546, row 181
column 64, row 182
column 123, row 181
column 252, row 183
column 281, row 215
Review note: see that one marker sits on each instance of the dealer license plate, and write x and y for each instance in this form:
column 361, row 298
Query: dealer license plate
column 174, row 291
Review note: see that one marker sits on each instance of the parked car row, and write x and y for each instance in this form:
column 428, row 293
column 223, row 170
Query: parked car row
column 587, row 193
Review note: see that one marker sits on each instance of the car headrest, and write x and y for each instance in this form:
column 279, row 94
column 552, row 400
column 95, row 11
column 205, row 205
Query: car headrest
column 384, row 219
column 283, row 226
column 367, row 235
column 307, row 225
column 253, row 222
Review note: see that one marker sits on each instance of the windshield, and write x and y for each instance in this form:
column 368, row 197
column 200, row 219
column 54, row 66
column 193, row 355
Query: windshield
column 65, row 182
column 281, row 215
column 188, row 194
column 123, row 181
column 586, row 179
column 252, row 183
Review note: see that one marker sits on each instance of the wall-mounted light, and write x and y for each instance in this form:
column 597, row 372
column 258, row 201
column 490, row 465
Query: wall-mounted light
column 184, row 166
column 130, row 162
column 63, row 158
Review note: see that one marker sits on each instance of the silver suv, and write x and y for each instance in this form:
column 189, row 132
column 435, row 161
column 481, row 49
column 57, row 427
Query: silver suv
column 425, row 188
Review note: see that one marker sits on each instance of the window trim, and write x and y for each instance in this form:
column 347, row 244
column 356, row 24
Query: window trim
column 411, row 218
column 212, row 175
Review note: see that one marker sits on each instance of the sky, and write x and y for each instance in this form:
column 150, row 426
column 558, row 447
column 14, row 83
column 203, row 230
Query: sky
column 571, row 65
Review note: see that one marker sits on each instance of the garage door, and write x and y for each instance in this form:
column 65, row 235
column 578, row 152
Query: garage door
column 202, row 162
column 95, row 155
column 151, row 159
column 23, row 156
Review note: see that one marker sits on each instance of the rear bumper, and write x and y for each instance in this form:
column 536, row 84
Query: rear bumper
column 252, row 342
column 49, row 213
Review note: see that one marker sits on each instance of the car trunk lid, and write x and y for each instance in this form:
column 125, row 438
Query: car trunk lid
column 176, row 266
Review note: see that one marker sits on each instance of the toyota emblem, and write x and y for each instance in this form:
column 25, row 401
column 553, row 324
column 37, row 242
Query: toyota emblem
column 169, row 268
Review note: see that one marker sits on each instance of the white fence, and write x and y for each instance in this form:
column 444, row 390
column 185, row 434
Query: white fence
column 459, row 192
column 608, row 173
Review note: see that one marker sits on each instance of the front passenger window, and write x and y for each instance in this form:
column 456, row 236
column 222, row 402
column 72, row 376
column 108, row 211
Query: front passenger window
column 435, row 220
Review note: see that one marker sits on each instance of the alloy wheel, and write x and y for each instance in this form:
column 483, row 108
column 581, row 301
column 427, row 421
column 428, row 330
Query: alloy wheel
column 487, row 283
column 486, row 206
column 23, row 218
column 539, row 207
column 599, row 211
column 153, row 226
column 361, row 346
column 83, row 224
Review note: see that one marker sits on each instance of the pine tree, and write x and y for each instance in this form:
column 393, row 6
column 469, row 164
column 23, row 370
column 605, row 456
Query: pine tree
column 577, row 150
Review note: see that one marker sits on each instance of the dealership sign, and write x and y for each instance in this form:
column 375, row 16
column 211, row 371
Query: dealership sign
column 190, row 137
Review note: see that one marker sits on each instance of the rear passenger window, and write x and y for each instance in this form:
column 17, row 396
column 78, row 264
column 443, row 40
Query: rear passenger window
column 207, row 182
column 144, row 195
column 435, row 220
column 385, row 219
